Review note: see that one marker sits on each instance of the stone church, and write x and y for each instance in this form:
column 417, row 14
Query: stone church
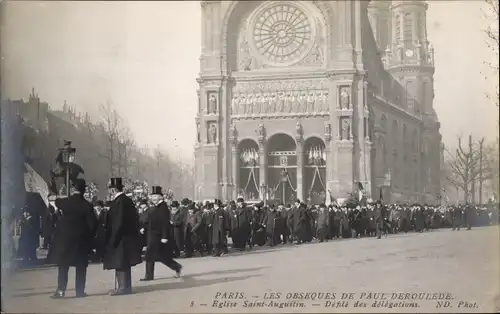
column 299, row 97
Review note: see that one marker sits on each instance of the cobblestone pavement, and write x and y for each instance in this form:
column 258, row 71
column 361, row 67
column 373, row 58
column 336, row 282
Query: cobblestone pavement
column 463, row 264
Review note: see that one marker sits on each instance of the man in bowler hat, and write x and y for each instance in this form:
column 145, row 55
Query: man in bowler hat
column 160, row 246
column 73, row 240
column 123, row 249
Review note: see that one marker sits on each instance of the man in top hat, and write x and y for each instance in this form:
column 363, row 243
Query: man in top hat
column 123, row 248
column 220, row 228
column 160, row 246
column 178, row 220
column 100, row 239
column 240, row 224
column 73, row 240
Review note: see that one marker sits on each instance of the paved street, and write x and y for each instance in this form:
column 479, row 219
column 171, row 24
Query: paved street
column 461, row 266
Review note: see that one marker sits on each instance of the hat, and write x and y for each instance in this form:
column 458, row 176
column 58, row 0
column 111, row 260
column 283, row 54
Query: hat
column 218, row 202
column 191, row 206
column 232, row 203
column 156, row 190
column 174, row 204
column 185, row 201
column 298, row 201
column 115, row 183
column 108, row 204
column 99, row 203
column 80, row 185
column 240, row 200
column 143, row 202
column 259, row 204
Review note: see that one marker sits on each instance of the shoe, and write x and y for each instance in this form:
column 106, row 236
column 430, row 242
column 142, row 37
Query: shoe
column 58, row 295
column 81, row 295
column 146, row 279
column 178, row 273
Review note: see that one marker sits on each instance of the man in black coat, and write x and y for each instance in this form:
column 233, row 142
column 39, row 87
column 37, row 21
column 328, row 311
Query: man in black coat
column 379, row 216
column 160, row 245
column 123, row 249
column 74, row 234
column 100, row 238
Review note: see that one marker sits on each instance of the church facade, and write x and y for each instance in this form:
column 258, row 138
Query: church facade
column 299, row 97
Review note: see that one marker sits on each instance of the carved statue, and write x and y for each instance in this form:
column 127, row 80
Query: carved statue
column 241, row 107
column 319, row 101
column 212, row 104
column 310, row 102
column 281, row 103
column 288, row 102
column 248, row 106
column 344, row 98
column 262, row 131
column 346, row 129
column 295, row 102
column 302, row 103
column 232, row 131
column 328, row 129
column 212, row 133
column 298, row 128
column 234, row 105
column 198, row 133
column 272, row 104
column 251, row 105
column 264, row 104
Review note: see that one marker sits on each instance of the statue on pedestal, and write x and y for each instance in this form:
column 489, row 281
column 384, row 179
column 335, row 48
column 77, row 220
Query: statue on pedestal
column 212, row 104
column 212, row 133
column 344, row 98
column 346, row 129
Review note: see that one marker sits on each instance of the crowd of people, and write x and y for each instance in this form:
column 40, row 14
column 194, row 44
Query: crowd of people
column 167, row 229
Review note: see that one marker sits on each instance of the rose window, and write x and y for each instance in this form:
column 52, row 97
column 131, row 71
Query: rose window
column 282, row 33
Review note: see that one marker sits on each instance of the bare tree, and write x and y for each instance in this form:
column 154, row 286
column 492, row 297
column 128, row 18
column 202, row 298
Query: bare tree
column 492, row 162
column 491, row 13
column 465, row 168
column 111, row 127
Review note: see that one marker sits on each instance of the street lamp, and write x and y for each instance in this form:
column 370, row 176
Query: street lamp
column 68, row 156
column 284, row 179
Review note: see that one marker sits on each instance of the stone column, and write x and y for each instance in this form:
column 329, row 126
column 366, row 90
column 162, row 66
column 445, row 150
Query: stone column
column 262, row 160
column 300, row 168
column 235, row 165
column 262, row 167
column 300, row 160
column 329, row 157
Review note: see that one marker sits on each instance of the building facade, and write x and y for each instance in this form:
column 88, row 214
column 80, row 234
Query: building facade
column 299, row 97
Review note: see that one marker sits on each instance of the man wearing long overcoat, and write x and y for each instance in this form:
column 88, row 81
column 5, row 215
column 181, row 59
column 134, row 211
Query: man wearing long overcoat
column 100, row 238
column 73, row 240
column 220, row 228
column 272, row 225
column 240, row 225
column 123, row 249
column 192, row 230
column 160, row 247
column 379, row 216
column 178, row 219
column 470, row 215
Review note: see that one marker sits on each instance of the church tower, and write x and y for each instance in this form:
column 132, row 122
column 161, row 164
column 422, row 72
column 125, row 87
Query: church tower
column 410, row 60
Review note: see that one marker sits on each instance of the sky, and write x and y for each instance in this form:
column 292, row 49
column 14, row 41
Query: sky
column 143, row 58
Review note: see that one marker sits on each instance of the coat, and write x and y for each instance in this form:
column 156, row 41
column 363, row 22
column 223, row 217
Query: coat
column 74, row 234
column 158, row 228
column 123, row 247
column 220, row 226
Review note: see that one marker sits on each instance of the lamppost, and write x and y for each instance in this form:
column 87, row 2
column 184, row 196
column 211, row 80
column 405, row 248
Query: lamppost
column 284, row 179
column 68, row 156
